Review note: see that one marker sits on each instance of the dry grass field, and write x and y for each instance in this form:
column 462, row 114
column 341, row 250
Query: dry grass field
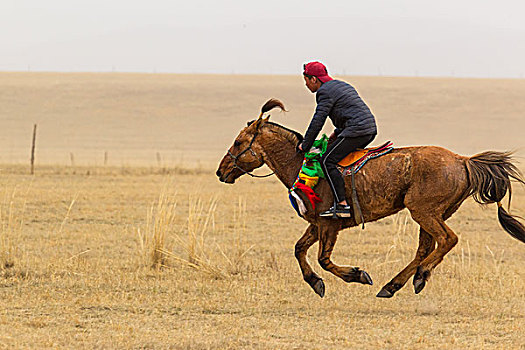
column 149, row 254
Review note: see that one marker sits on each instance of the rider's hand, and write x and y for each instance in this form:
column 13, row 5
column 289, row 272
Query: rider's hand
column 300, row 148
column 332, row 138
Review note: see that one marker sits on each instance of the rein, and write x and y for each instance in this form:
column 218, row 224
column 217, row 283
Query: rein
column 249, row 148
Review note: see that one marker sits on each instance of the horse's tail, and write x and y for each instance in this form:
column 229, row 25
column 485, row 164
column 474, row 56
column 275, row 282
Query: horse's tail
column 490, row 174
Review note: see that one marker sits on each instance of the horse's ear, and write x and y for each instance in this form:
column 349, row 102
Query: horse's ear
column 261, row 121
column 258, row 123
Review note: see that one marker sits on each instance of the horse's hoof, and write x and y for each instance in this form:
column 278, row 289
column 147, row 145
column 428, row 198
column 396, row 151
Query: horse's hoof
column 420, row 279
column 383, row 293
column 318, row 287
column 419, row 285
column 365, row 278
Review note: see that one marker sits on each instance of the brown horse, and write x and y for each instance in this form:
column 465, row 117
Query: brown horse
column 431, row 182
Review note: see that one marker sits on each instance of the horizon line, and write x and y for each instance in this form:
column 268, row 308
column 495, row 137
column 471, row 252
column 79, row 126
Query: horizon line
column 430, row 76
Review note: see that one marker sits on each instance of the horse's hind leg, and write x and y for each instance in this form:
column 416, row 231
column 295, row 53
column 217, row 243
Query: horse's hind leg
column 301, row 247
column 327, row 239
column 446, row 239
column 426, row 246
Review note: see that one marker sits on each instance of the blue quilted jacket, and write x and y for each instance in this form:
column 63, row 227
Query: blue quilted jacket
column 348, row 112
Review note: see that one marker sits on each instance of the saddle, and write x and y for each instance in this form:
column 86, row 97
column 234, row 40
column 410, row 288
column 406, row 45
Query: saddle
column 355, row 160
column 351, row 165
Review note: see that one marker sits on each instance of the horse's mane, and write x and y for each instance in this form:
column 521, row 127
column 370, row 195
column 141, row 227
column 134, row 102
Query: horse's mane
column 291, row 135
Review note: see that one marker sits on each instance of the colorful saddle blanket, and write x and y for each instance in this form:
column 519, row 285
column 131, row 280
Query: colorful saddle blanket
column 356, row 160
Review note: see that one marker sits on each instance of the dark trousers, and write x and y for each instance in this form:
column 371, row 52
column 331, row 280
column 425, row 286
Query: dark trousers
column 336, row 151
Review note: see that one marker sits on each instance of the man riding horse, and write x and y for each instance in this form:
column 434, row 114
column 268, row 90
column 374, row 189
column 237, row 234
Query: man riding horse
column 431, row 182
column 354, row 122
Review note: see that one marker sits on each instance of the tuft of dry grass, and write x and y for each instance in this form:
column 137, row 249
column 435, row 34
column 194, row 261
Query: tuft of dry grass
column 191, row 249
column 164, row 242
column 235, row 260
column 152, row 238
column 11, row 225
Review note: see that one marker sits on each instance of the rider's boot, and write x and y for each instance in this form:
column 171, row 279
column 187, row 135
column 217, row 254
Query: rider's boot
column 338, row 211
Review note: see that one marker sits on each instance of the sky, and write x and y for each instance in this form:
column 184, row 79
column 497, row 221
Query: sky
column 460, row 38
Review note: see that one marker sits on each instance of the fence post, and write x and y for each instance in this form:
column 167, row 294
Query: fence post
column 33, row 151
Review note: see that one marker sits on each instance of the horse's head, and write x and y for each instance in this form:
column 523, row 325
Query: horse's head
column 245, row 155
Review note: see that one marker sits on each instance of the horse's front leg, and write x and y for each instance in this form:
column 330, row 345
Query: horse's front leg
column 327, row 239
column 301, row 248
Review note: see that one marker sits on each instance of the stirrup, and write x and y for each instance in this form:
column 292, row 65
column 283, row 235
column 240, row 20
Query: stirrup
column 334, row 212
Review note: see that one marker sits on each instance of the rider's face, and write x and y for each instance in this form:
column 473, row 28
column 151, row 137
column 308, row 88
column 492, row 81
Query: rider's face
column 313, row 84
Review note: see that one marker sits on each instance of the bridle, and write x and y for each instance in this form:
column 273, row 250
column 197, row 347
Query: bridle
column 236, row 157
